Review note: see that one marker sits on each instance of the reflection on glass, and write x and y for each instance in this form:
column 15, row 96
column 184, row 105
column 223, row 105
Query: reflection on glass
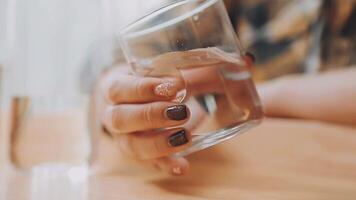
column 193, row 43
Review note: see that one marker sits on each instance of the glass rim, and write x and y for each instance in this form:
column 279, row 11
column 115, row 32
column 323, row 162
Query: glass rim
column 126, row 30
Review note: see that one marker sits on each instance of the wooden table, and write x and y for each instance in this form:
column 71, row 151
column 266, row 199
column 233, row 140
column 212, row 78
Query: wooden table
column 281, row 159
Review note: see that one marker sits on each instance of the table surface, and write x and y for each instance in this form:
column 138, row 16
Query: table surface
column 280, row 159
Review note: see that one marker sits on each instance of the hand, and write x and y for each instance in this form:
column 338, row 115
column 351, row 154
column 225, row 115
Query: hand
column 138, row 108
column 136, row 111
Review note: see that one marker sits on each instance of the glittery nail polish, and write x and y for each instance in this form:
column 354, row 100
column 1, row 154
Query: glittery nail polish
column 165, row 89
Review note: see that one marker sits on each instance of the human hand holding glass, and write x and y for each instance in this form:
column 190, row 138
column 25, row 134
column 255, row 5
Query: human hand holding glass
column 198, row 90
column 136, row 114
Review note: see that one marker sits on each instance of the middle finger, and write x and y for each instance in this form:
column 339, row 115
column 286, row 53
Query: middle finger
column 125, row 118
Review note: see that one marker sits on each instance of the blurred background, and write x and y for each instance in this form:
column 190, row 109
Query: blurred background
column 49, row 46
column 79, row 34
column 296, row 36
column 54, row 51
column 51, row 52
column 286, row 36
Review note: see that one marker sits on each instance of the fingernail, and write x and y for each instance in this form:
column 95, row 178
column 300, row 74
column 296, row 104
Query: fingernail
column 178, row 139
column 176, row 170
column 251, row 56
column 177, row 112
column 165, row 89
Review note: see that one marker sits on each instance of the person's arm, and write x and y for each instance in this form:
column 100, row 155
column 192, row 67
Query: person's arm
column 329, row 96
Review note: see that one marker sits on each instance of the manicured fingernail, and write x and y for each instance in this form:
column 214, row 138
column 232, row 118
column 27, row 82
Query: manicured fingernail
column 251, row 56
column 165, row 89
column 177, row 112
column 178, row 139
column 176, row 170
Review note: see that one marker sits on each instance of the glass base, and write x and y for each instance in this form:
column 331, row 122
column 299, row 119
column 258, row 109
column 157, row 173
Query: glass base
column 204, row 141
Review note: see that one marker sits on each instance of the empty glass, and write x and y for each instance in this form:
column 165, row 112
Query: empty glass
column 193, row 42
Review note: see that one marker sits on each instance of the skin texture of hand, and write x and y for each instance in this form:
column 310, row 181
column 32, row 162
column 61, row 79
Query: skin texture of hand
column 134, row 113
column 144, row 121
column 135, row 108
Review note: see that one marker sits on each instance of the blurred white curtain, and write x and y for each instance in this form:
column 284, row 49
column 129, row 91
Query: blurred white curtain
column 114, row 15
column 3, row 30
column 51, row 39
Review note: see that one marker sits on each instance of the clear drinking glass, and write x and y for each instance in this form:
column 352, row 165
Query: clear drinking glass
column 193, row 41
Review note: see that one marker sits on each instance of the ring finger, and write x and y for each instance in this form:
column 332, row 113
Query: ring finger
column 154, row 144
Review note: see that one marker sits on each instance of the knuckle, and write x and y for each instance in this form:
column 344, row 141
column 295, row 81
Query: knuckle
column 126, row 146
column 139, row 87
column 107, row 117
column 113, row 94
column 157, row 149
column 148, row 115
column 117, row 119
column 152, row 149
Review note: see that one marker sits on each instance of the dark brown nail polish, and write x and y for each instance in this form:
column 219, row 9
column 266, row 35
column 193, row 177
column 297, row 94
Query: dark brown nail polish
column 251, row 56
column 177, row 112
column 178, row 139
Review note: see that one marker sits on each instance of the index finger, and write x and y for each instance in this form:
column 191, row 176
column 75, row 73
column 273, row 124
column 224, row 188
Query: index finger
column 125, row 88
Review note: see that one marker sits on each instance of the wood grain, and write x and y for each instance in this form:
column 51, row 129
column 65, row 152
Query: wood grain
column 281, row 159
